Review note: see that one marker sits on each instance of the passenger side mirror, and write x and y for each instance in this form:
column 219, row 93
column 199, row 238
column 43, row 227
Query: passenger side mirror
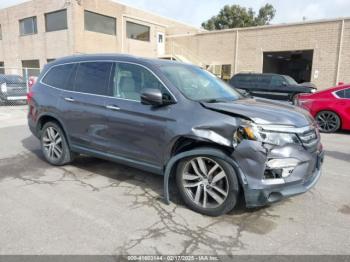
column 284, row 83
column 151, row 96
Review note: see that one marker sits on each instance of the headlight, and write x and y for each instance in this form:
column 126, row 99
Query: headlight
column 3, row 88
column 251, row 131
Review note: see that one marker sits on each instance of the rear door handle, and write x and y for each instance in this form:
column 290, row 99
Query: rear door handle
column 69, row 99
column 113, row 107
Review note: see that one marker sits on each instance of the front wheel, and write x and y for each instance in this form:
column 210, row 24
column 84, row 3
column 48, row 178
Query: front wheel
column 54, row 145
column 328, row 121
column 207, row 185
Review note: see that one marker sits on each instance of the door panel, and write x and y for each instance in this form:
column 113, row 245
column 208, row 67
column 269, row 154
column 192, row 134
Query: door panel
column 136, row 131
column 84, row 109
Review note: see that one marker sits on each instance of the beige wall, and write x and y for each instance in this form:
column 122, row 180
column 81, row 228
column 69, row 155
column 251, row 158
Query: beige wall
column 322, row 37
column 15, row 48
column 48, row 45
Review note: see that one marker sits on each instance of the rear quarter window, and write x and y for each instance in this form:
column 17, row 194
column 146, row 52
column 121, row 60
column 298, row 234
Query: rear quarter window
column 58, row 76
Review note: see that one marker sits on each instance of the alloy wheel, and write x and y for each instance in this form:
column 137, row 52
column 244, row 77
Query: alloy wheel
column 328, row 121
column 52, row 143
column 205, row 182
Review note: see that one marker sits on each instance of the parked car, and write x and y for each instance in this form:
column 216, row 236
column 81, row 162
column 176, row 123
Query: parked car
column 12, row 88
column 331, row 108
column 271, row 86
column 175, row 119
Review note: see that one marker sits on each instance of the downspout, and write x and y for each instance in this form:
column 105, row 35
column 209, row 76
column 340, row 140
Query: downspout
column 236, row 53
column 122, row 35
column 340, row 49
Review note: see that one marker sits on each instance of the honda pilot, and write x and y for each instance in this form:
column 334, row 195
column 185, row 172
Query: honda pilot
column 179, row 121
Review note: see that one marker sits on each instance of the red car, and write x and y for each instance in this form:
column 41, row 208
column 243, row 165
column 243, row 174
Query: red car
column 330, row 108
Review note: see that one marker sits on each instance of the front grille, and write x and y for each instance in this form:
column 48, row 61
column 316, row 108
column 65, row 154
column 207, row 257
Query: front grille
column 309, row 138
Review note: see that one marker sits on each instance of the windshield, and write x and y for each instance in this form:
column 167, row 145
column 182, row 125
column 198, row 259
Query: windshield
column 290, row 80
column 197, row 84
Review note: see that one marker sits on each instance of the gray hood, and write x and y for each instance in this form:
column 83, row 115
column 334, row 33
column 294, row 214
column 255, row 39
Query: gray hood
column 264, row 111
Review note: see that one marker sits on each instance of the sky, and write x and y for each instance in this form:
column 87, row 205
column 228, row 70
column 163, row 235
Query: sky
column 194, row 12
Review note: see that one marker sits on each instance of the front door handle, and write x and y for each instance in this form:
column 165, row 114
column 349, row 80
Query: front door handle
column 69, row 99
column 113, row 107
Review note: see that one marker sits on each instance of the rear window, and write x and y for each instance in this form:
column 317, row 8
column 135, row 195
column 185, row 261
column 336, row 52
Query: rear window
column 345, row 93
column 93, row 78
column 11, row 79
column 58, row 75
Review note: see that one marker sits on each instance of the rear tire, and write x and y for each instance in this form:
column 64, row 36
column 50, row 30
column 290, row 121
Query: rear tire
column 328, row 121
column 207, row 185
column 54, row 145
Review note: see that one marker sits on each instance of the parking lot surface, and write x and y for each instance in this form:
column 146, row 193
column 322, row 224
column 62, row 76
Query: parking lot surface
column 98, row 207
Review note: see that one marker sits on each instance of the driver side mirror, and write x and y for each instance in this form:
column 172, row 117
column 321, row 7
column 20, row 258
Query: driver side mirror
column 284, row 83
column 151, row 96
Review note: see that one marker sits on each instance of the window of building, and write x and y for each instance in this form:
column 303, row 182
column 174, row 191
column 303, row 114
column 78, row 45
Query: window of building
column 56, row 21
column 93, row 78
column 28, row 26
column 58, row 76
column 100, row 23
column 137, row 31
column 2, row 68
column 0, row 33
column 129, row 80
column 31, row 68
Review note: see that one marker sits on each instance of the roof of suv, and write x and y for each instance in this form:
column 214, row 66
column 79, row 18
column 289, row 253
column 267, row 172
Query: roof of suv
column 116, row 57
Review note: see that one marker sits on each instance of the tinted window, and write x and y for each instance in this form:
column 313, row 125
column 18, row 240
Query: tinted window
column 100, row 23
column 93, row 78
column 129, row 80
column 276, row 81
column 58, row 75
column 56, row 21
column 28, row 26
column 344, row 93
column 347, row 93
column 137, row 31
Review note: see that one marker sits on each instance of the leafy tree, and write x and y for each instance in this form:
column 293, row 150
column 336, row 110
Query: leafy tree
column 233, row 16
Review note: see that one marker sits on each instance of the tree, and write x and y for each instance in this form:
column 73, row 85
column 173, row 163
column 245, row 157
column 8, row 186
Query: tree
column 233, row 16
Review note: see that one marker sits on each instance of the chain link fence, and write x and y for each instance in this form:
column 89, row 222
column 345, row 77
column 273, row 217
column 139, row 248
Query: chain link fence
column 15, row 84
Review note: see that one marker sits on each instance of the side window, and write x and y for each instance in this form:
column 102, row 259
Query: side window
column 347, row 93
column 264, row 81
column 58, row 76
column 129, row 80
column 93, row 78
column 341, row 93
column 276, row 81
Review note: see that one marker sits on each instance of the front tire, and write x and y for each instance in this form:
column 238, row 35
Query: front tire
column 54, row 145
column 328, row 121
column 207, row 184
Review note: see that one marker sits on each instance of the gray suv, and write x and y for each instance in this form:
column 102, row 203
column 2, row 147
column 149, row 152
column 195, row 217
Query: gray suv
column 179, row 121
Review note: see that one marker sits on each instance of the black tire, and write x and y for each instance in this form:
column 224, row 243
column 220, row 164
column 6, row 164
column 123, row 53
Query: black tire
column 328, row 121
column 232, row 190
column 66, row 156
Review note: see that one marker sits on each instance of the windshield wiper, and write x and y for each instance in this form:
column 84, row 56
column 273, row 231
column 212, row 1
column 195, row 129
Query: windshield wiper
column 212, row 101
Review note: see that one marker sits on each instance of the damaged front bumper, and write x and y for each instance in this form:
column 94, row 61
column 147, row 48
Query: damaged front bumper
column 260, row 187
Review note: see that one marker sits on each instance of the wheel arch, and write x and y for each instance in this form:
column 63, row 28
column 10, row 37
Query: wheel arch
column 49, row 117
column 209, row 150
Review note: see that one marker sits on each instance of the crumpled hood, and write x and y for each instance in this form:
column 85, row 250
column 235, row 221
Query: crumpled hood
column 264, row 111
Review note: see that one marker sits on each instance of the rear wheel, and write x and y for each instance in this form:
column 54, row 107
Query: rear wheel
column 328, row 121
column 207, row 185
column 54, row 145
